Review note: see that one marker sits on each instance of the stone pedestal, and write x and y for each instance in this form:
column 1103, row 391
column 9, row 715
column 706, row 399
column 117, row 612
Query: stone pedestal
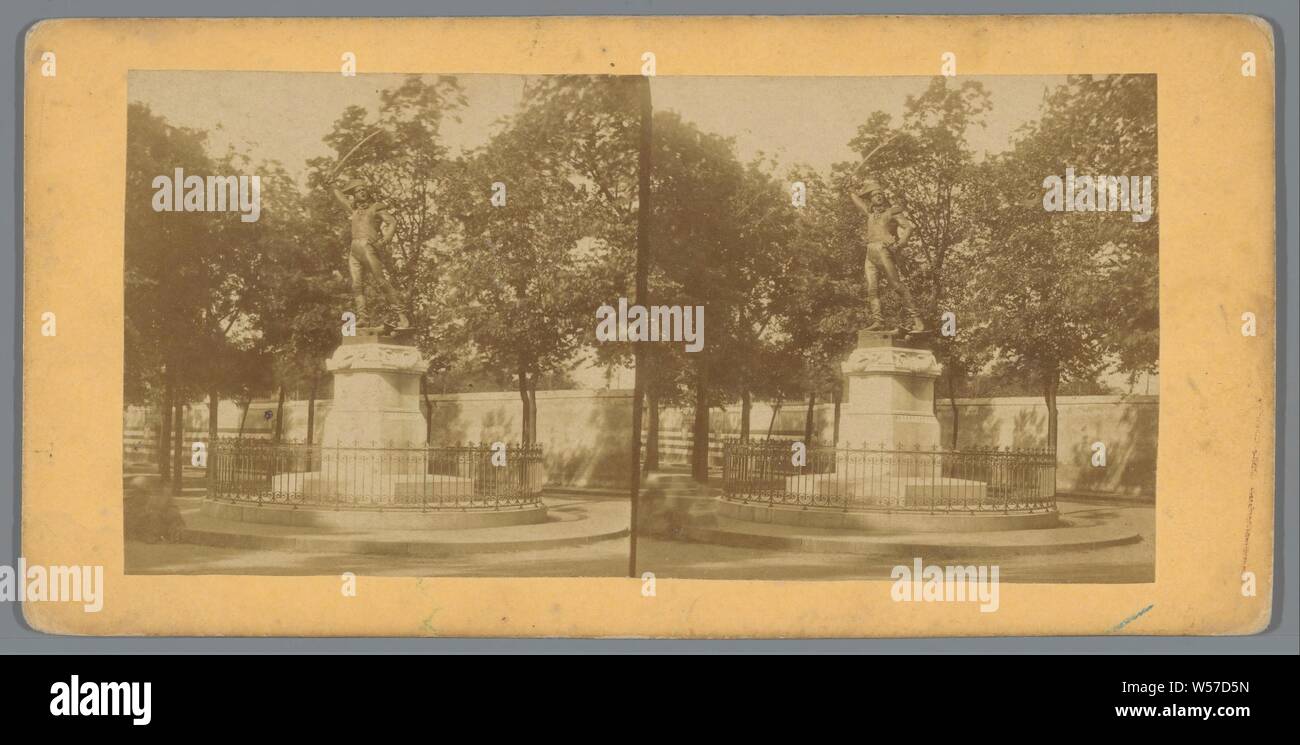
column 374, row 469
column 890, row 402
column 890, row 473
column 376, row 404
column 376, row 393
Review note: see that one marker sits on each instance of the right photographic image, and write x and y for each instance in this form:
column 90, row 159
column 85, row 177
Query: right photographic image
column 932, row 334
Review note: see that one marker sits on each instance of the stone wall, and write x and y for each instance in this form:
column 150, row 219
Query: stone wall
column 583, row 433
column 140, row 425
column 1128, row 426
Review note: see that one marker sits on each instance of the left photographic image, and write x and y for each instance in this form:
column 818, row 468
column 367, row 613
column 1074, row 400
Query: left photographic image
column 358, row 323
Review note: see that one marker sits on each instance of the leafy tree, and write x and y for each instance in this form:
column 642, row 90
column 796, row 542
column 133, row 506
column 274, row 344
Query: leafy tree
column 186, row 290
column 588, row 127
column 696, row 181
column 758, row 293
column 823, row 307
column 1068, row 293
column 521, row 277
column 297, row 294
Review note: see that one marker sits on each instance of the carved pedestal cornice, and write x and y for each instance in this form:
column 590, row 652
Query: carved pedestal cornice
column 897, row 360
column 377, row 357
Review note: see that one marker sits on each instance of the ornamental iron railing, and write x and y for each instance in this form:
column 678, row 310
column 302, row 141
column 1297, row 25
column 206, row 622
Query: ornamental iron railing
column 778, row 473
column 447, row 477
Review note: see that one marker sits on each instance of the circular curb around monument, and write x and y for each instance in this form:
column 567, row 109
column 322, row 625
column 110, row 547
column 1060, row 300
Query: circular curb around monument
column 735, row 534
column 398, row 519
column 429, row 549
column 432, row 547
column 897, row 521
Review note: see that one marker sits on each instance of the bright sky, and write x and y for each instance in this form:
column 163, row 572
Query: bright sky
column 284, row 116
column 811, row 120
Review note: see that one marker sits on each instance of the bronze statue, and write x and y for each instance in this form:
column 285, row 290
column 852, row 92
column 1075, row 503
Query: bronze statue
column 372, row 224
column 888, row 228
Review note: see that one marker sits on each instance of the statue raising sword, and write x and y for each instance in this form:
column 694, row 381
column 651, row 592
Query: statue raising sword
column 888, row 229
column 372, row 225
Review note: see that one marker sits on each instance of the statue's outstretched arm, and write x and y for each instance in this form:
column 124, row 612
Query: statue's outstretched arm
column 387, row 225
column 342, row 199
column 861, row 204
column 905, row 226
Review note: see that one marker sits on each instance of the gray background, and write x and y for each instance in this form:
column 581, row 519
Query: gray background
column 15, row 637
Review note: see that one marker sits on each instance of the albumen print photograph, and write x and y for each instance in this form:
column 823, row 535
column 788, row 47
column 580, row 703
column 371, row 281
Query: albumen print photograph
column 861, row 327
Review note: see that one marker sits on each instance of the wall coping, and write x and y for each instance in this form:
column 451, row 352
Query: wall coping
column 541, row 395
column 618, row 393
column 1134, row 398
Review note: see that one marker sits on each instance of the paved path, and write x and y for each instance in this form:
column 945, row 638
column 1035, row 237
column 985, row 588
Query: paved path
column 604, row 559
column 569, row 523
column 586, row 536
column 1125, row 564
column 1082, row 527
column 1113, row 542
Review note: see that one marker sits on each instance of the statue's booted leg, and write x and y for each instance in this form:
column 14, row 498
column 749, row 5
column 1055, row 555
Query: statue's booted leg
column 377, row 276
column 875, row 321
column 358, row 297
column 914, row 324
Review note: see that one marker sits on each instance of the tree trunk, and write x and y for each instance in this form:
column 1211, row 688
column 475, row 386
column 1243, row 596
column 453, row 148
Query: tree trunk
column 652, row 435
column 809, row 418
column 158, row 430
column 746, row 407
column 838, row 397
column 165, row 431
column 776, row 409
column 311, row 408
column 1050, row 388
column 214, row 407
column 279, row 416
column 243, row 417
column 956, row 412
column 428, row 410
column 532, row 409
column 700, row 439
column 527, row 422
column 178, row 436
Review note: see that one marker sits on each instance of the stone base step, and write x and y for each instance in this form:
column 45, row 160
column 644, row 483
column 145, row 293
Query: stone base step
column 965, row 546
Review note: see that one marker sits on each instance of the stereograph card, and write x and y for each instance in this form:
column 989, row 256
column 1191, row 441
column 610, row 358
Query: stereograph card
column 654, row 327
